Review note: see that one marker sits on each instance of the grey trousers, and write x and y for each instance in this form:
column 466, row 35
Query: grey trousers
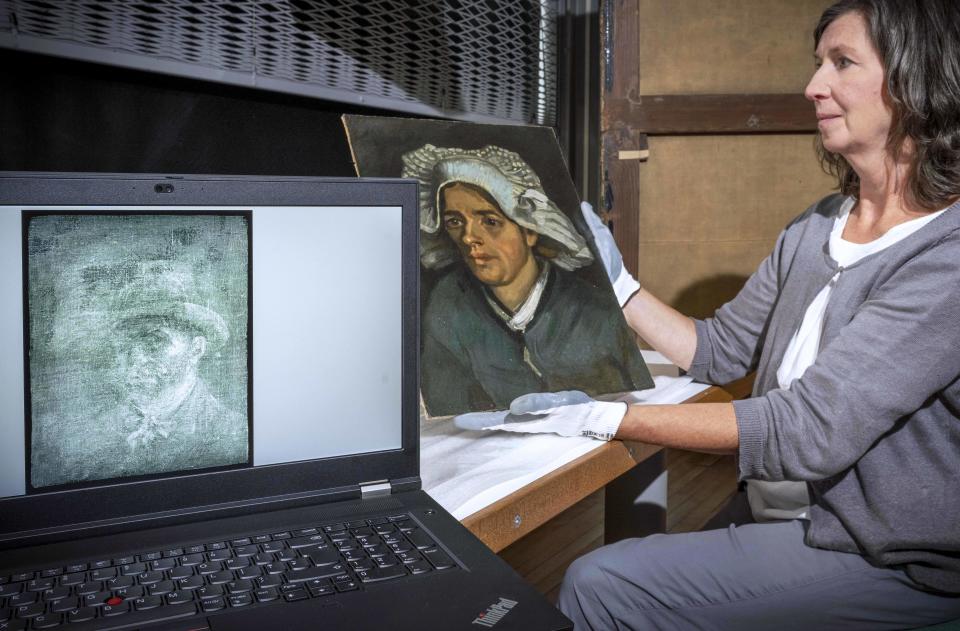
column 754, row 576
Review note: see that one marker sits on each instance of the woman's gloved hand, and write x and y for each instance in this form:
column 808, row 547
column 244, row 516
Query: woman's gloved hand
column 568, row 413
column 624, row 284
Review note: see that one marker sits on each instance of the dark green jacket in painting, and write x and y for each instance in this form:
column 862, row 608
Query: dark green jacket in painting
column 472, row 361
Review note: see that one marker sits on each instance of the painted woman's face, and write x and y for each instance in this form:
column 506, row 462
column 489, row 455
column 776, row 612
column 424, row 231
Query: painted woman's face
column 494, row 247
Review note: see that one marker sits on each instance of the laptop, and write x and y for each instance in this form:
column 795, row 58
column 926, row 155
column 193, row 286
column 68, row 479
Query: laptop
column 209, row 413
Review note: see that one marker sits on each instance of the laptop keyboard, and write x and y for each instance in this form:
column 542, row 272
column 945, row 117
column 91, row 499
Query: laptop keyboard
column 154, row 585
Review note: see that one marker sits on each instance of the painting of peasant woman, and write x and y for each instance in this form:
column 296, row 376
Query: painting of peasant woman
column 508, row 313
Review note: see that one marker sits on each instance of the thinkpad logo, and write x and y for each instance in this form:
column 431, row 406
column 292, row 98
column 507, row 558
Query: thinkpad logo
column 495, row 612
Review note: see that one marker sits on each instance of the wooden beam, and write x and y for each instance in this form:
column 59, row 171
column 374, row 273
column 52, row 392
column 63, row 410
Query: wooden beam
column 620, row 170
column 676, row 114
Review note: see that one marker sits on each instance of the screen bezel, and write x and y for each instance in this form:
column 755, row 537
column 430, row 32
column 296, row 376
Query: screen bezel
column 59, row 514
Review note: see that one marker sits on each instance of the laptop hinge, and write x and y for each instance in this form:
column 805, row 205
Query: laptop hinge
column 375, row 488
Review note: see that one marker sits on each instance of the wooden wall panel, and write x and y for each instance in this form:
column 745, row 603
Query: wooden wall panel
column 726, row 46
column 711, row 208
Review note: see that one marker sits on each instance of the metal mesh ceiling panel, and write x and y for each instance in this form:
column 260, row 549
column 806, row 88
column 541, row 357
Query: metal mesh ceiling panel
column 471, row 59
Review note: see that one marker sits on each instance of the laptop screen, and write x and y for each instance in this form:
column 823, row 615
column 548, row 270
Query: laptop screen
column 150, row 343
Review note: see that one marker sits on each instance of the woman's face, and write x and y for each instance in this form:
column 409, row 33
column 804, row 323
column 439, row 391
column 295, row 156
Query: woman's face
column 494, row 248
column 848, row 90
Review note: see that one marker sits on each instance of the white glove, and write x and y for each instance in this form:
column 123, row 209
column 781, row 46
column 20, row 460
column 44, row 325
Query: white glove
column 624, row 284
column 569, row 413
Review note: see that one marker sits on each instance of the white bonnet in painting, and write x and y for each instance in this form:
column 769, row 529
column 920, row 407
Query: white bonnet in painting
column 509, row 181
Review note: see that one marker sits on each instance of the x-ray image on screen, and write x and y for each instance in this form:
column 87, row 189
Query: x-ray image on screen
column 138, row 344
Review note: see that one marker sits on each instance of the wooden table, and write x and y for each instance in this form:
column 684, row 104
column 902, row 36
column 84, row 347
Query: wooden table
column 528, row 508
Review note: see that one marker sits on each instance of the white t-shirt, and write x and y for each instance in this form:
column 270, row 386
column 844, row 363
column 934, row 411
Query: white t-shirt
column 790, row 500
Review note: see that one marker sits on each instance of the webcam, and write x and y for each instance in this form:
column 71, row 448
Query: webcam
column 163, row 188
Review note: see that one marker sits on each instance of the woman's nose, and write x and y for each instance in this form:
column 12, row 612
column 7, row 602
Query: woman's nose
column 817, row 88
column 470, row 234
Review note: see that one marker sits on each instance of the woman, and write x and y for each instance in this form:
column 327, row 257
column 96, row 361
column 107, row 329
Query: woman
column 853, row 327
column 506, row 316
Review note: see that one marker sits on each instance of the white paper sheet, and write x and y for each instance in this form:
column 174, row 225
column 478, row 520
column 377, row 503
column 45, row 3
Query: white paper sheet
column 465, row 471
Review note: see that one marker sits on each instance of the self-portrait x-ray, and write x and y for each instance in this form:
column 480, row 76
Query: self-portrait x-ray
column 138, row 344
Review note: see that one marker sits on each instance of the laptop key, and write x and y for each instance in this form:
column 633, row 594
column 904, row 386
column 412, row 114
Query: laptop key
column 74, row 578
column 240, row 600
column 266, row 594
column 219, row 555
column 322, row 555
column 439, row 559
column 178, row 598
column 129, row 593
column 22, row 576
column 409, row 557
column 48, row 621
column 150, row 577
column 111, row 611
column 268, row 581
column 81, row 614
column 31, row 610
column 273, row 546
column 346, row 585
column 419, row 567
column 147, row 602
column 239, row 587
column 324, row 588
column 213, row 604
column 209, row 591
column 221, row 577
column 13, row 625
column 191, row 559
column 50, row 573
column 296, row 594
column 10, row 589
column 420, row 539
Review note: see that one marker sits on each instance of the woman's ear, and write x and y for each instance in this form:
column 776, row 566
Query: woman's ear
column 530, row 236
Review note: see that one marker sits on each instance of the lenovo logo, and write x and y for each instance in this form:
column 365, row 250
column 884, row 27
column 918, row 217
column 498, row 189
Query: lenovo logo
column 495, row 612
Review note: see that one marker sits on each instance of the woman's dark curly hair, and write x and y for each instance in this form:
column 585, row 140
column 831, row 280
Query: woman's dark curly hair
column 919, row 43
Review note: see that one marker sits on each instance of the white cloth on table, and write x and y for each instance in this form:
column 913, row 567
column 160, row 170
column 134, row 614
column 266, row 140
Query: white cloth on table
column 466, row 471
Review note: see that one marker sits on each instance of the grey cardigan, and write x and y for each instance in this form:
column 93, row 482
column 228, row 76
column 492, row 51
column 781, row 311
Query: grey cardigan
column 873, row 426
